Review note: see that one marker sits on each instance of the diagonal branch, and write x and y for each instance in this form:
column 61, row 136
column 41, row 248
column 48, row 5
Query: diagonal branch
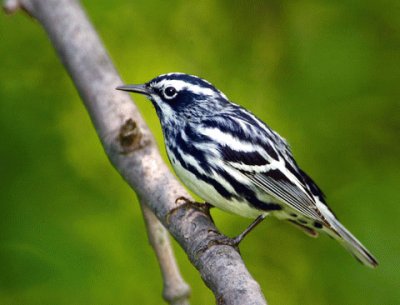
column 131, row 149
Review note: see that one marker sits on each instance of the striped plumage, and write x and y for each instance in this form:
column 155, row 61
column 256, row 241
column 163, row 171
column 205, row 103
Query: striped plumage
column 234, row 161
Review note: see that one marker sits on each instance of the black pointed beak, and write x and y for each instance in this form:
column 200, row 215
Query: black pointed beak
column 142, row 89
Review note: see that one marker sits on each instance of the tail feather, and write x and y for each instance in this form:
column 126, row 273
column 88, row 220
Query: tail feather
column 348, row 241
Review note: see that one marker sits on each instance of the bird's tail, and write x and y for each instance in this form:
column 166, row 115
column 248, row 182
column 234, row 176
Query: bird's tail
column 348, row 241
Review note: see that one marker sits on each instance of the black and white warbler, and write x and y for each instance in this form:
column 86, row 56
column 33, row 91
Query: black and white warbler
column 234, row 161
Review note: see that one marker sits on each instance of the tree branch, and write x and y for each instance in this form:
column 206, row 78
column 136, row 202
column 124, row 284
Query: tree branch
column 131, row 149
column 175, row 291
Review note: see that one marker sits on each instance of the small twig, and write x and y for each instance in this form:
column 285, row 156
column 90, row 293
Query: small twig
column 176, row 291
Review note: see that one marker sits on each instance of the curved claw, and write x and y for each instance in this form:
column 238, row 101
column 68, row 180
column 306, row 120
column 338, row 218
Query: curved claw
column 203, row 207
column 227, row 241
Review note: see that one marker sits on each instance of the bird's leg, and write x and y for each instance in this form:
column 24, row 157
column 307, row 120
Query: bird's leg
column 234, row 242
column 204, row 207
column 239, row 238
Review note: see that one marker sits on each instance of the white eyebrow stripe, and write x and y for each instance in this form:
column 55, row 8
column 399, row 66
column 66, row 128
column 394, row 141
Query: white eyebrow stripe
column 180, row 85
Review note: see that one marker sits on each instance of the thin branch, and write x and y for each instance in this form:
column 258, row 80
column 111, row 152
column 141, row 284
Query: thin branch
column 132, row 150
column 176, row 291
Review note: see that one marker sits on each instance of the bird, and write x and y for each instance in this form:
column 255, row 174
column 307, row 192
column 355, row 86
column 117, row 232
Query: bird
column 234, row 161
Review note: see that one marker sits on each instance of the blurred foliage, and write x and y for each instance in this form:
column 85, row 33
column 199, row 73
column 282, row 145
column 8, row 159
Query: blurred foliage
column 325, row 74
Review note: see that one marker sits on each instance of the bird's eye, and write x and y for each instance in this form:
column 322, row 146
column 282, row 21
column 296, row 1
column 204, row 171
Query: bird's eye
column 170, row 92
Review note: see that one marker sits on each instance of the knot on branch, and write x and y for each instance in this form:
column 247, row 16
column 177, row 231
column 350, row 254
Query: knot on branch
column 130, row 136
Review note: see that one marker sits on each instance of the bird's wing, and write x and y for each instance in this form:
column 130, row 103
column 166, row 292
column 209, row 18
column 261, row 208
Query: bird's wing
column 261, row 155
column 276, row 180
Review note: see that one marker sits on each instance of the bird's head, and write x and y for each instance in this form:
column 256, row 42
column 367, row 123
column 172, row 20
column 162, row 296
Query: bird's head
column 180, row 96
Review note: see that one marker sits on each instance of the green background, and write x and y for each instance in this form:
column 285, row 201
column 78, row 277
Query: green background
column 324, row 74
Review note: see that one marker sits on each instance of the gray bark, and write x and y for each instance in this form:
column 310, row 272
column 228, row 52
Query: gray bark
column 131, row 149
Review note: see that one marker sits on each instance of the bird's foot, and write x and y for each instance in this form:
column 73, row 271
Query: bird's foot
column 226, row 241
column 184, row 202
